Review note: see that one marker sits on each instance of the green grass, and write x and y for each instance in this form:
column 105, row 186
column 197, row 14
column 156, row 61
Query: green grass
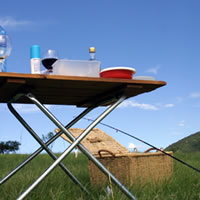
column 184, row 185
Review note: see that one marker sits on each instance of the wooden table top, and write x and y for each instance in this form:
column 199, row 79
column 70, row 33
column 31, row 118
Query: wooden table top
column 71, row 90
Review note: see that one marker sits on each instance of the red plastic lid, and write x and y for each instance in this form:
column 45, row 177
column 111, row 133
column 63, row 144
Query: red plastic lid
column 118, row 72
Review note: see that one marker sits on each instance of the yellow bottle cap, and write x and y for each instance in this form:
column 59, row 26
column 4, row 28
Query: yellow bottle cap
column 92, row 50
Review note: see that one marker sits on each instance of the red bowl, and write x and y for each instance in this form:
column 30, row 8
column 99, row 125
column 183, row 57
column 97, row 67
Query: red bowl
column 118, row 72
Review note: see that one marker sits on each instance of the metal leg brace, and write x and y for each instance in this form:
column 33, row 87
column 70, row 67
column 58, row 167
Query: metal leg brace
column 74, row 144
column 30, row 130
column 39, row 150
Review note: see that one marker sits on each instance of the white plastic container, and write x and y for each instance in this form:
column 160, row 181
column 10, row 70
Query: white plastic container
column 35, row 65
column 35, row 59
column 77, row 68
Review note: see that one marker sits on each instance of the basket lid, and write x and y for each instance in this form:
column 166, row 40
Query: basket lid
column 97, row 140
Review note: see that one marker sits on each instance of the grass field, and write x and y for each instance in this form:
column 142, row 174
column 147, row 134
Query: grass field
column 184, row 185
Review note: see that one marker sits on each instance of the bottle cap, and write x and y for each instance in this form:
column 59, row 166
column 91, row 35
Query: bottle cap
column 92, row 50
column 35, row 51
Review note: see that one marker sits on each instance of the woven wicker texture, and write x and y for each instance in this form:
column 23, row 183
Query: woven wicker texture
column 97, row 140
column 133, row 168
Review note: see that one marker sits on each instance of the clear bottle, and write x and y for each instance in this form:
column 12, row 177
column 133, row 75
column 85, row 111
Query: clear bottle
column 92, row 52
column 95, row 64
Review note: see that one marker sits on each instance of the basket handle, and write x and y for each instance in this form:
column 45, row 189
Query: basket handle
column 152, row 148
column 104, row 150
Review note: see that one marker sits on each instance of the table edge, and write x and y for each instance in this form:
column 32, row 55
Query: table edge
column 78, row 78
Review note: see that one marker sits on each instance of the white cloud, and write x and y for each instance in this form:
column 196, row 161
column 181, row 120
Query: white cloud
column 182, row 123
column 131, row 145
column 129, row 103
column 153, row 70
column 169, row 105
column 12, row 22
column 195, row 95
column 145, row 106
column 26, row 108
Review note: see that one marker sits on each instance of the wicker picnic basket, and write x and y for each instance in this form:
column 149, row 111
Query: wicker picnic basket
column 128, row 167
column 133, row 168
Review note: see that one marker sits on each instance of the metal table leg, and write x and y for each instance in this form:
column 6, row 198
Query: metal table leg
column 30, row 130
column 74, row 144
column 34, row 154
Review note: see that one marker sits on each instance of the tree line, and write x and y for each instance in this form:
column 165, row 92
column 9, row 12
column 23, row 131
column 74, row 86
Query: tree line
column 9, row 146
column 13, row 146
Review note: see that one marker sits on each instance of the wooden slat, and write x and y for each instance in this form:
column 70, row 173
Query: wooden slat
column 16, row 81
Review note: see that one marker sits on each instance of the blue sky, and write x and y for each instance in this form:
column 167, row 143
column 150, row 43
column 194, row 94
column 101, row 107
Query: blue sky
column 158, row 38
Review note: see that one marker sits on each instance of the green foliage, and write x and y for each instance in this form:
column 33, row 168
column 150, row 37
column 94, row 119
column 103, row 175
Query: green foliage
column 47, row 137
column 184, row 185
column 9, row 146
column 186, row 145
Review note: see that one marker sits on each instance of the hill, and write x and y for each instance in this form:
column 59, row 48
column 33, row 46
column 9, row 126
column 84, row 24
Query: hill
column 186, row 145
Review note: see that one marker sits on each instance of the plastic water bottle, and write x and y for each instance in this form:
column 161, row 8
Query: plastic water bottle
column 5, row 48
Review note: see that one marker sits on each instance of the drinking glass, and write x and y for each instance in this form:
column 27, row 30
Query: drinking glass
column 49, row 59
column 5, row 48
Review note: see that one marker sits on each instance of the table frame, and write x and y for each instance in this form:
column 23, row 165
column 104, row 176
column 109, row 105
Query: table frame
column 62, row 90
column 75, row 143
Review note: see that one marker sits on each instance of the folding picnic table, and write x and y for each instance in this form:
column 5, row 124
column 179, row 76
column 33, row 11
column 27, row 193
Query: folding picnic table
column 86, row 92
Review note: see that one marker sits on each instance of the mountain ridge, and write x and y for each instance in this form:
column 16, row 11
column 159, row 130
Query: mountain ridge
column 188, row 144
